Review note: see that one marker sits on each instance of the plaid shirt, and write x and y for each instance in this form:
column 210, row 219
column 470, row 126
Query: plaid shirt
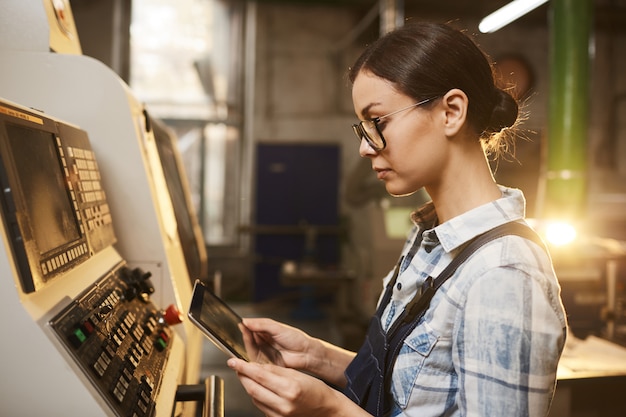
column 490, row 342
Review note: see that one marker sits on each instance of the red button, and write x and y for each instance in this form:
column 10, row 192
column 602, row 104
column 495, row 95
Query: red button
column 172, row 316
column 88, row 327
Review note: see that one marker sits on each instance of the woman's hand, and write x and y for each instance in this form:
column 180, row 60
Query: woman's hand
column 292, row 348
column 279, row 391
column 270, row 341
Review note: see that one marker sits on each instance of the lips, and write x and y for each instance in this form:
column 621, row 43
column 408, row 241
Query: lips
column 381, row 173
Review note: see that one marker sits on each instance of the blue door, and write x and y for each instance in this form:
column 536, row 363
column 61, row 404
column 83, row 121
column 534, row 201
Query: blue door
column 297, row 192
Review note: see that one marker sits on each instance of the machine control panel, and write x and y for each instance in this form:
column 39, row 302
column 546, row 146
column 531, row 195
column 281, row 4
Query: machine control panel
column 52, row 202
column 119, row 339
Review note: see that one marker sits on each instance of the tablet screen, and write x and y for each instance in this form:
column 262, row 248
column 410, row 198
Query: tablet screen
column 217, row 321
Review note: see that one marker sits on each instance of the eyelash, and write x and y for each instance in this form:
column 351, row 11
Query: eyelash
column 381, row 124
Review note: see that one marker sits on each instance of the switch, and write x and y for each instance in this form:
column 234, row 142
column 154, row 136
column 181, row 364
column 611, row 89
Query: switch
column 160, row 344
column 172, row 315
column 77, row 337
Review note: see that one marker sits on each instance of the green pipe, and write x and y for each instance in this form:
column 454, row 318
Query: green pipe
column 566, row 176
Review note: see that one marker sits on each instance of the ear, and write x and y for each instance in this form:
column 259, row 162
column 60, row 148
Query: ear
column 455, row 104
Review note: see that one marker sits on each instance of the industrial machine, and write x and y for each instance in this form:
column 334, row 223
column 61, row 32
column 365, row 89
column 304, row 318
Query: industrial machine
column 86, row 321
column 83, row 91
column 97, row 257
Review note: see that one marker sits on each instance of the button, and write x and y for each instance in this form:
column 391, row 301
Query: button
column 118, row 394
column 77, row 338
column 143, row 407
column 127, row 374
column 160, row 344
column 172, row 315
column 87, row 327
column 399, row 286
column 8, row 198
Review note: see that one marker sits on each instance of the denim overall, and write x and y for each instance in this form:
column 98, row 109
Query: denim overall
column 369, row 374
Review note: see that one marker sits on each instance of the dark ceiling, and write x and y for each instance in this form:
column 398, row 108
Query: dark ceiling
column 608, row 14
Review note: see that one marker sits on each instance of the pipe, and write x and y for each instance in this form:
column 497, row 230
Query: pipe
column 248, row 139
column 391, row 15
column 566, row 174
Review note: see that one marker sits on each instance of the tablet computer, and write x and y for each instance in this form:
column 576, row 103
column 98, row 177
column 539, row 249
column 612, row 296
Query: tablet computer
column 225, row 328
column 217, row 321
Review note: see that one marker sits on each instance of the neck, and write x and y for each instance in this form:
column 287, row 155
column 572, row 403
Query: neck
column 467, row 184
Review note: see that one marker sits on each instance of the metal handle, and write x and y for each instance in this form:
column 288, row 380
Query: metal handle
column 211, row 393
column 213, row 397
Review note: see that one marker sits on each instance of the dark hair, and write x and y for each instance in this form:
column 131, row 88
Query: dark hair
column 425, row 60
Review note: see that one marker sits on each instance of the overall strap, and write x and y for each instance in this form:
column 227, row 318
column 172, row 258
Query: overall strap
column 421, row 301
column 416, row 308
column 389, row 289
column 369, row 374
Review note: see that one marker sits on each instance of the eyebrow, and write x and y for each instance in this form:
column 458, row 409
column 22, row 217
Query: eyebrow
column 365, row 111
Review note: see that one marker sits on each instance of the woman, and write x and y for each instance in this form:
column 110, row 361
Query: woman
column 489, row 341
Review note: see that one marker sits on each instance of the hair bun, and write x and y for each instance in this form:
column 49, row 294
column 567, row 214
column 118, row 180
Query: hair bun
column 504, row 113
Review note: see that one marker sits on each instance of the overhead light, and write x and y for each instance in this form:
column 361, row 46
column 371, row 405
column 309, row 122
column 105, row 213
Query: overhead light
column 506, row 14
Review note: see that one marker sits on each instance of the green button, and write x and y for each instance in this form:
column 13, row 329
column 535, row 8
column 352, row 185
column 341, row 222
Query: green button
column 160, row 344
column 80, row 335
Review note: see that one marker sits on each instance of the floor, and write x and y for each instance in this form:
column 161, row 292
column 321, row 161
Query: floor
column 317, row 319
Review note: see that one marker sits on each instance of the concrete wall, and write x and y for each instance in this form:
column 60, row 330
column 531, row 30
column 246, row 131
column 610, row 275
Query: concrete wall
column 301, row 91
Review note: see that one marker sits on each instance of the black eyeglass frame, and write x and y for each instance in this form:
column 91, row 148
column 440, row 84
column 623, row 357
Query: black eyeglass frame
column 361, row 133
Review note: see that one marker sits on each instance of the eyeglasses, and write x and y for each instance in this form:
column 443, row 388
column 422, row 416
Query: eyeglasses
column 370, row 131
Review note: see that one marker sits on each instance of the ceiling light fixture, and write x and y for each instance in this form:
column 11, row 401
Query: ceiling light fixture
column 508, row 13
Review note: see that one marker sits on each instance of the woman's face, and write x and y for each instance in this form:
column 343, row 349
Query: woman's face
column 415, row 151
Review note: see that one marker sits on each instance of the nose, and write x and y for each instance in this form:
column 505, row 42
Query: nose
column 365, row 149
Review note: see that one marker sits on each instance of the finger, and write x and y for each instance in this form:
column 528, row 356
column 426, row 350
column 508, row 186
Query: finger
column 249, row 342
column 273, row 377
column 264, row 325
column 272, row 333
column 259, row 347
column 261, row 397
column 261, row 337
column 260, row 383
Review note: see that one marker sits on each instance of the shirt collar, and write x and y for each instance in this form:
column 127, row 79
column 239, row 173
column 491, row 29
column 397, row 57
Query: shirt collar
column 459, row 230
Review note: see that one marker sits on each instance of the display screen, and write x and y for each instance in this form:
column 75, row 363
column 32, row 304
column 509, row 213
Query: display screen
column 217, row 321
column 190, row 238
column 225, row 329
column 48, row 206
